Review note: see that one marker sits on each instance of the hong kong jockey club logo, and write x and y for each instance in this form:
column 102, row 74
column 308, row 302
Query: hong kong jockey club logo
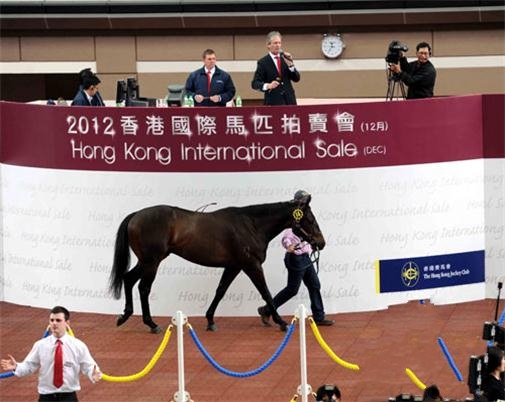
column 410, row 274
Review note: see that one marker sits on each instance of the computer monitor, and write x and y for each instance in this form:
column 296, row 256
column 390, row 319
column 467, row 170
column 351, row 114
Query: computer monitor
column 175, row 95
column 120, row 92
column 127, row 91
column 132, row 88
column 138, row 102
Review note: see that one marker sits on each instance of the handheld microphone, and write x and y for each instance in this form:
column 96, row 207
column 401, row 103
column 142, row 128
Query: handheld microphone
column 287, row 56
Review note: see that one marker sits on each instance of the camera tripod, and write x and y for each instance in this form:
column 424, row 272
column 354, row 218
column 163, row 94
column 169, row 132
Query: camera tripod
column 395, row 86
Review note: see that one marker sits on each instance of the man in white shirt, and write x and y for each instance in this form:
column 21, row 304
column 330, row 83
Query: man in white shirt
column 57, row 384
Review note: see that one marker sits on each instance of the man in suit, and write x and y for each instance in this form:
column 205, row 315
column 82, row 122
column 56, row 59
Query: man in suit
column 210, row 85
column 275, row 72
column 89, row 89
column 83, row 74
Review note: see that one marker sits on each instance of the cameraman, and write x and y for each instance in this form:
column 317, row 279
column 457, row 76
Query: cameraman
column 492, row 385
column 418, row 75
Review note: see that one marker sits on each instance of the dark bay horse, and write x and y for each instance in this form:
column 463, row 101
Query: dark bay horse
column 235, row 238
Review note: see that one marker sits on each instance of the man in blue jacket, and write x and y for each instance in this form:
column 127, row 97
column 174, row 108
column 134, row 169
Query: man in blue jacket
column 210, row 85
column 89, row 89
column 83, row 74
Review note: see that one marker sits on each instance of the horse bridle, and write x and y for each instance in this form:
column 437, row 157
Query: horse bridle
column 297, row 217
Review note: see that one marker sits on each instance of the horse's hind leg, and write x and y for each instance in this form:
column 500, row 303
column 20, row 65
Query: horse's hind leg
column 130, row 278
column 229, row 275
column 149, row 273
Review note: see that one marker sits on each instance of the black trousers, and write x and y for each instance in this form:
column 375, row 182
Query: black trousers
column 300, row 269
column 59, row 396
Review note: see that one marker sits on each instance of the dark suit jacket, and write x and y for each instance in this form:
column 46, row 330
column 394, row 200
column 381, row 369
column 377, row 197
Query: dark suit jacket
column 81, row 99
column 266, row 72
column 96, row 101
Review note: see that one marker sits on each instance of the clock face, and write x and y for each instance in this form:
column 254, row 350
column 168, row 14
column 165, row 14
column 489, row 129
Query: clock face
column 332, row 46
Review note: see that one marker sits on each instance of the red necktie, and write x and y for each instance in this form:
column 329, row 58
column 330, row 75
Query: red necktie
column 209, row 79
column 279, row 67
column 58, row 365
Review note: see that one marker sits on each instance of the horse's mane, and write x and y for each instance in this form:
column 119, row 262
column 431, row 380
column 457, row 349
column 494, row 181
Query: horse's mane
column 259, row 210
column 256, row 210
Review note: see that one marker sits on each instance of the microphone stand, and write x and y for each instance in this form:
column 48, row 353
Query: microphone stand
column 500, row 284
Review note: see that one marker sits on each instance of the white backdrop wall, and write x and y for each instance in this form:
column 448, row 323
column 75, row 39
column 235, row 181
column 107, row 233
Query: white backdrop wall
column 494, row 209
column 59, row 227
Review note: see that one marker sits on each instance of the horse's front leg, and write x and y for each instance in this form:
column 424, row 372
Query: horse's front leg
column 257, row 277
column 148, row 275
column 130, row 278
column 229, row 275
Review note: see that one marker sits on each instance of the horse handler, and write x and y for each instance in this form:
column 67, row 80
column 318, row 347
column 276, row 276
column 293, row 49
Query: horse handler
column 59, row 358
column 300, row 268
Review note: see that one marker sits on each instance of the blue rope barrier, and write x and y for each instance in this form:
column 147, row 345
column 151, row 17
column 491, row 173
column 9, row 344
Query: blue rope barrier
column 291, row 329
column 449, row 359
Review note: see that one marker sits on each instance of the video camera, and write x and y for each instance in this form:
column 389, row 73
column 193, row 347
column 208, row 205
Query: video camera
column 476, row 373
column 394, row 49
column 478, row 367
column 493, row 332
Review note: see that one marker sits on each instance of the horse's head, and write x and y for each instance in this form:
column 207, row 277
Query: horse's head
column 304, row 223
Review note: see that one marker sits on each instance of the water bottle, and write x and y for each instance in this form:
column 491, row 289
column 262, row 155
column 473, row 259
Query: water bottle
column 185, row 103
column 238, row 101
column 191, row 102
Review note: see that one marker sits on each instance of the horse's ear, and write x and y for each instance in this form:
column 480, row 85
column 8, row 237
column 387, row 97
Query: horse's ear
column 302, row 199
column 305, row 200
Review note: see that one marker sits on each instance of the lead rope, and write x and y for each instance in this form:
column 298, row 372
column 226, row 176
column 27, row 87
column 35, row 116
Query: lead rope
column 315, row 254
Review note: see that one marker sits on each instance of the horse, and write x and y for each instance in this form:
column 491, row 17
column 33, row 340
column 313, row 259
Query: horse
column 235, row 238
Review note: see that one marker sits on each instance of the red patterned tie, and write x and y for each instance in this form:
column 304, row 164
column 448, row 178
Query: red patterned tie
column 209, row 79
column 58, row 365
column 279, row 67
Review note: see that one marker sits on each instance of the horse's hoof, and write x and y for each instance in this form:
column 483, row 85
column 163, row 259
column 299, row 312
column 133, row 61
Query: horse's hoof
column 283, row 327
column 212, row 327
column 121, row 319
column 265, row 318
column 155, row 330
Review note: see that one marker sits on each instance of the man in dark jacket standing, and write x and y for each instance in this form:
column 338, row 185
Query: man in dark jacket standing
column 275, row 72
column 209, row 85
column 418, row 75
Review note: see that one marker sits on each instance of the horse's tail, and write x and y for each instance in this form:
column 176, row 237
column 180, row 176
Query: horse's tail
column 121, row 258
